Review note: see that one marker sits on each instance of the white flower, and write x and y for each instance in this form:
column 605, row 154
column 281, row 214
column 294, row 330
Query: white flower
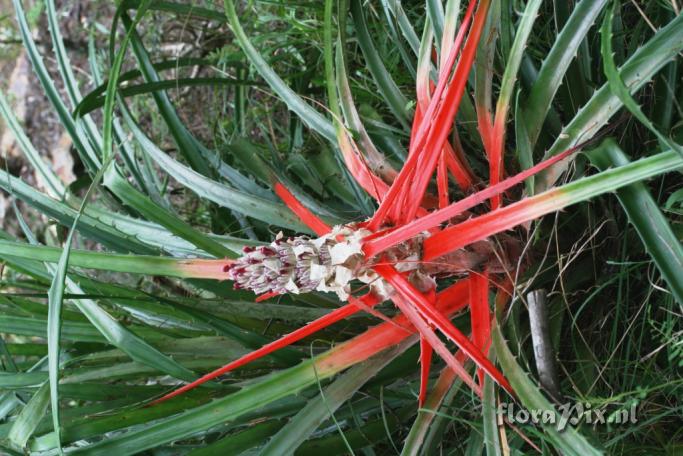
column 300, row 265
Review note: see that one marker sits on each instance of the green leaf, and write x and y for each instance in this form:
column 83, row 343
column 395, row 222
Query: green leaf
column 569, row 441
column 189, row 147
column 239, row 442
column 652, row 226
column 404, row 24
column 617, row 86
column 136, row 264
column 636, row 72
column 71, row 331
column 490, row 417
column 22, row 380
column 84, row 148
column 436, row 16
column 388, row 89
column 47, row 176
column 178, row 9
column 153, row 212
column 514, row 61
column 65, row 215
column 425, row 432
column 310, row 116
column 247, row 204
column 55, row 297
column 26, row 423
column 304, row 423
column 556, row 63
column 94, row 100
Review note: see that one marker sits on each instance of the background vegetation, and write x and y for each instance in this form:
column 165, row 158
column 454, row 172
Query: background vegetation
column 196, row 128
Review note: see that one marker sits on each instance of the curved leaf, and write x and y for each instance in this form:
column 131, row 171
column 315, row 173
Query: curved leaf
column 569, row 440
column 652, row 226
column 636, row 72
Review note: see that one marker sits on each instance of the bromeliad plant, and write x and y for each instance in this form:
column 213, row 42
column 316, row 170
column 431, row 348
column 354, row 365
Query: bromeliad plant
column 436, row 243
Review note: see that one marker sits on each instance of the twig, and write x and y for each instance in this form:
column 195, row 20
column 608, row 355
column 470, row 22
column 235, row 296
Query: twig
column 540, row 335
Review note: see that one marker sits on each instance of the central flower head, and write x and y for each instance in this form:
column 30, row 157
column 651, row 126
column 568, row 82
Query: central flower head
column 300, row 264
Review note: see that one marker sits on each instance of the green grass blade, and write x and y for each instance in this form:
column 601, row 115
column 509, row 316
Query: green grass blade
column 310, row 116
column 304, row 423
column 654, row 230
column 569, row 441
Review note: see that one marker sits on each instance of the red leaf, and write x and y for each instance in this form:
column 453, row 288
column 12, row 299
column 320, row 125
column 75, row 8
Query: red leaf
column 403, row 182
column 494, row 222
column 360, row 171
column 432, row 316
column 443, row 120
column 411, row 313
column 266, row 296
column 305, row 331
column 307, row 217
column 479, row 314
column 458, row 167
column 451, row 300
column 442, row 180
column 425, row 366
column 434, row 219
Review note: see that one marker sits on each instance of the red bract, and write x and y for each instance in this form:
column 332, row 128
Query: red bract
column 403, row 250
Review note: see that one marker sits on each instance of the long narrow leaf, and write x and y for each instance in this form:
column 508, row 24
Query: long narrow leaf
column 136, row 264
column 497, row 221
column 310, row 116
column 617, row 85
column 556, row 63
column 643, row 212
column 569, row 440
column 307, row 420
column 637, row 71
column 276, row 386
